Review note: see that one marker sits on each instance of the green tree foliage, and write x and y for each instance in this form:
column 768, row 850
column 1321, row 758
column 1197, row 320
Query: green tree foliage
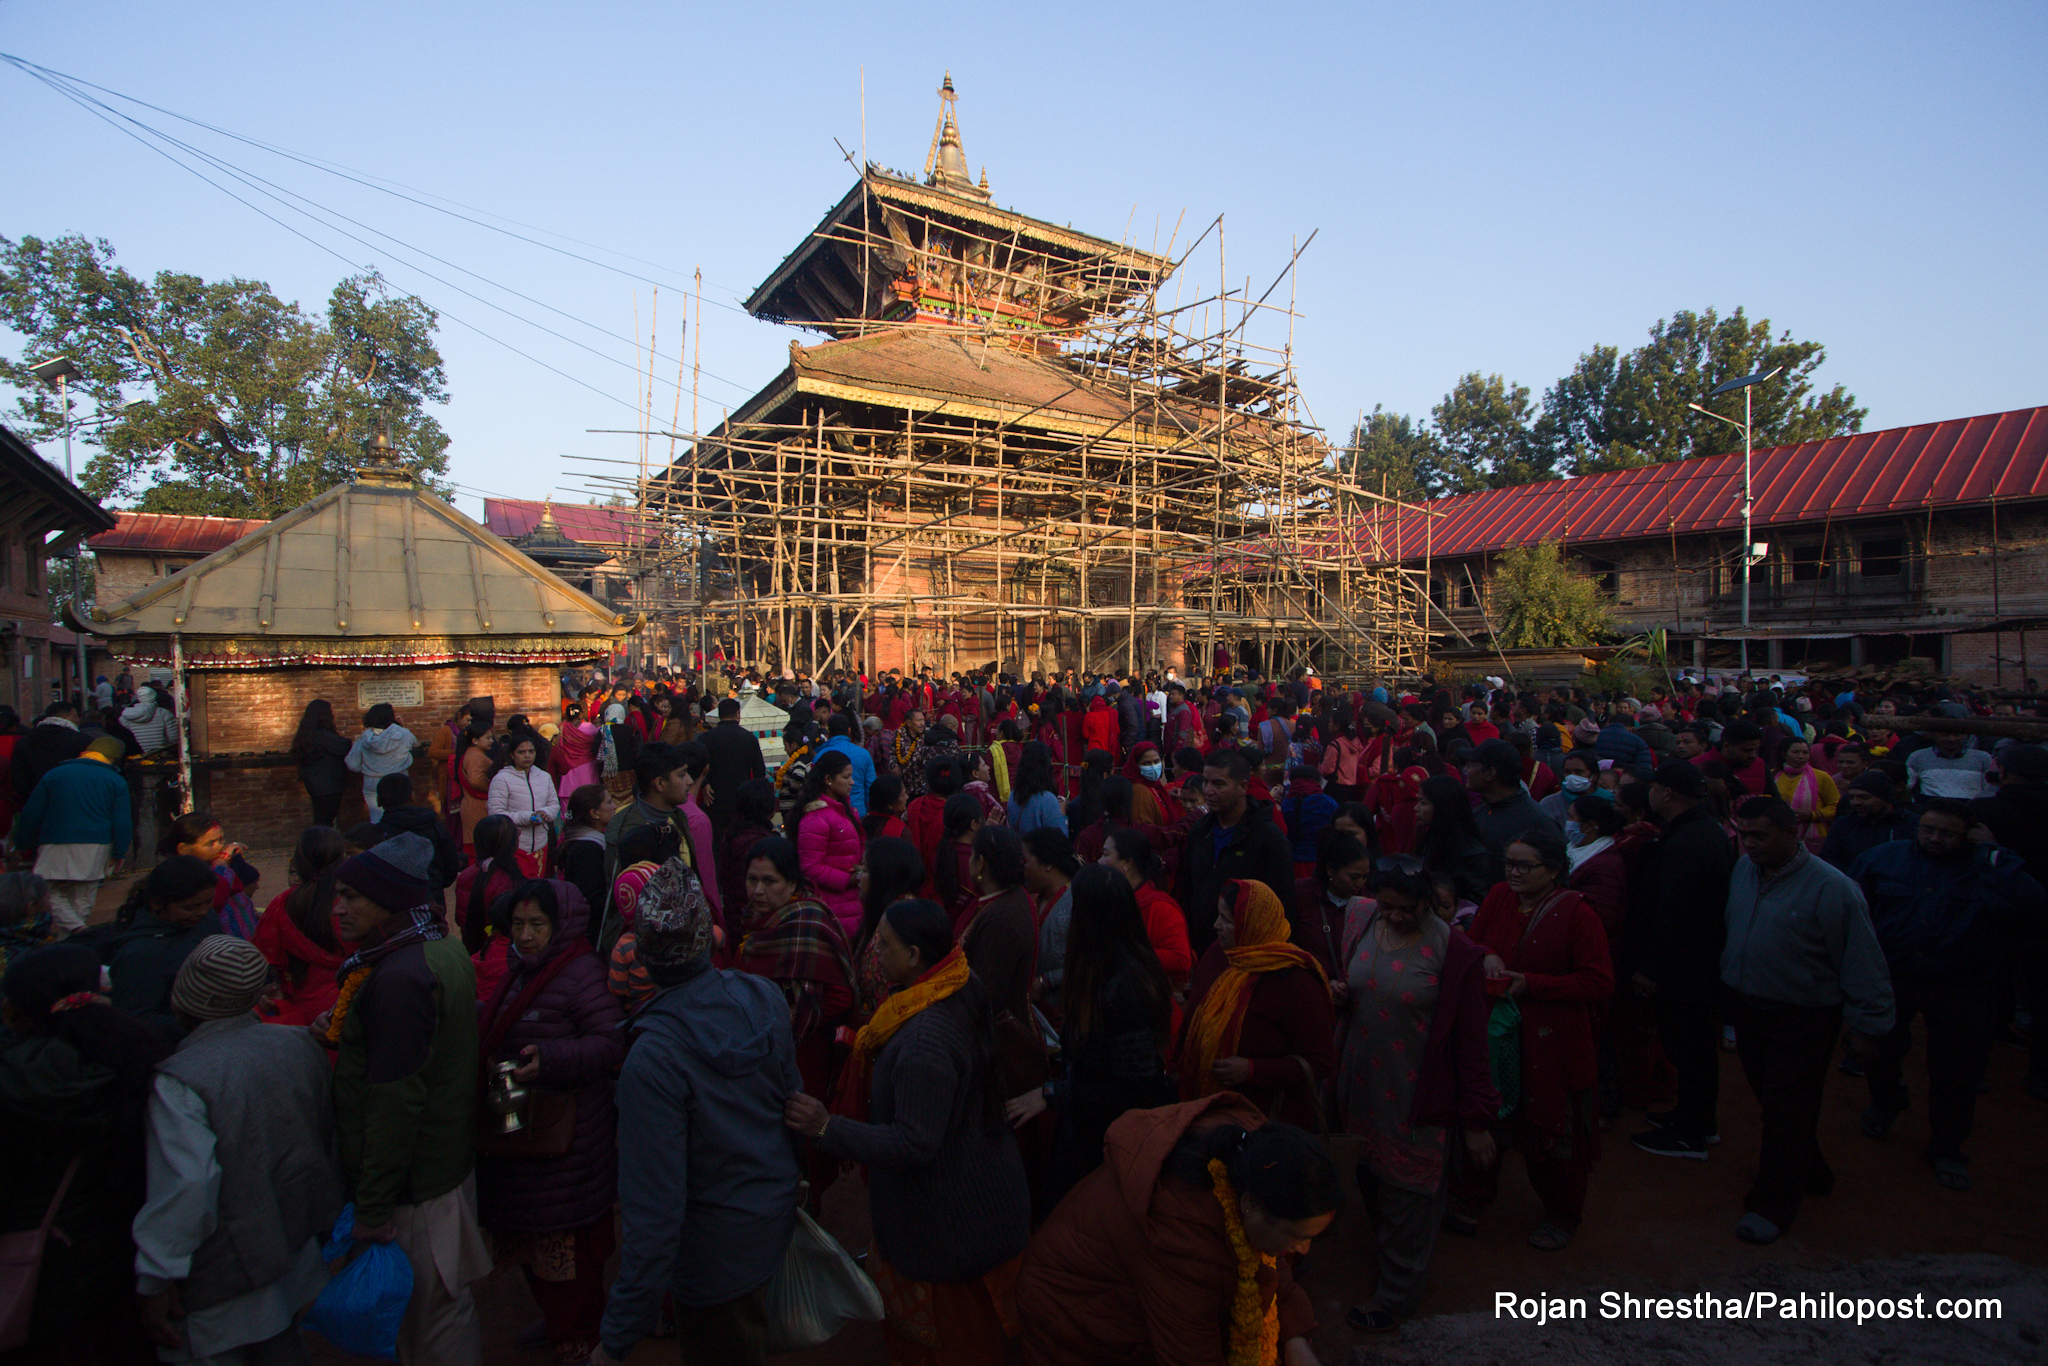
column 1616, row 410
column 1389, row 453
column 1539, row 600
column 1486, row 436
column 247, row 407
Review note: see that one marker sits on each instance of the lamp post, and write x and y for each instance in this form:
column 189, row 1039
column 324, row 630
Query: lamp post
column 1750, row 555
column 58, row 370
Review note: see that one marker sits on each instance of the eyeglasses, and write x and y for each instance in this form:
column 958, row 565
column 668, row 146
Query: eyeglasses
column 1513, row 866
column 1398, row 863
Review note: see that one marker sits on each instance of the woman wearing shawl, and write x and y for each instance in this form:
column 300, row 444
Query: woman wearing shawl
column 1259, row 1017
column 1150, row 801
column 795, row 941
column 980, row 780
column 1392, row 797
column 1810, row 793
column 573, row 759
column 1546, row 950
column 920, row 1104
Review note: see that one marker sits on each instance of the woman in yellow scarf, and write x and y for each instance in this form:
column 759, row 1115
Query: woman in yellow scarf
column 1259, row 1017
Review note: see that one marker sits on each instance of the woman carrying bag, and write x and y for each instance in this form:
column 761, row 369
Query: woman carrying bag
column 546, row 1192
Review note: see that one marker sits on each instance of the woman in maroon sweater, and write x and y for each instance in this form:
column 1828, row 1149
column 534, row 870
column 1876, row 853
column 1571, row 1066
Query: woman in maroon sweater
column 1415, row 1083
column 1546, row 949
column 1258, row 1009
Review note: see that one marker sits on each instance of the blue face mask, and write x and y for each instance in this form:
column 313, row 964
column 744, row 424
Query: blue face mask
column 1571, row 832
column 1153, row 772
column 1577, row 782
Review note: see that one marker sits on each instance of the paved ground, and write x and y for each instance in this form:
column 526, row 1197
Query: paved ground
column 1653, row 1226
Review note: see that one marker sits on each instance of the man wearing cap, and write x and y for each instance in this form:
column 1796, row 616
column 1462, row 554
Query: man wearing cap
column 1873, row 818
column 405, row 1082
column 77, row 821
column 1494, row 774
column 1674, row 955
column 243, row 1176
column 708, row 1180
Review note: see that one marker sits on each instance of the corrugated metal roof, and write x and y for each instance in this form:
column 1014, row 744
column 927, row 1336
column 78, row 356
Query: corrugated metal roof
column 1958, row 463
column 587, row 523
column 167, row 533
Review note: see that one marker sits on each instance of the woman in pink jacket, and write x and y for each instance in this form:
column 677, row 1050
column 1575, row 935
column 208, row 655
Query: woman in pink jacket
column 829, row 839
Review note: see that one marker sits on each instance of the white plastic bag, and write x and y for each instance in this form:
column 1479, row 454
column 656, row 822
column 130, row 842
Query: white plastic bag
column 816, row 1291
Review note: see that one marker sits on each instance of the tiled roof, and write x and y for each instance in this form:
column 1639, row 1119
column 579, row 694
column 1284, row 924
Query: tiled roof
column 168, row 533
column 1959, row 463
column 591, row 524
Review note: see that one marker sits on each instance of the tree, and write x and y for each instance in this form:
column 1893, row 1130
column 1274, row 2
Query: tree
column 1390, row 453
column 1616, row 410
column 248, row 406
column 1540, row 600
column 1485, row 438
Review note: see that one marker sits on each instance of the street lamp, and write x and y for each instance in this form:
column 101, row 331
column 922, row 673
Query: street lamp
column 58, row 370
column 1751, row 552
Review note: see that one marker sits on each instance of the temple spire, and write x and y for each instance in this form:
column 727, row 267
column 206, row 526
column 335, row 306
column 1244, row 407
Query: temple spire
column 946, row 165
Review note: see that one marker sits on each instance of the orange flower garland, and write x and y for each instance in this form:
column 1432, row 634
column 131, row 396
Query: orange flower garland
column 339, row 1014
column 1254, row 1329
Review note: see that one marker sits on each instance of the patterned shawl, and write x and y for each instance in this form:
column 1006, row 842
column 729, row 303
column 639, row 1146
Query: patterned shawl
column 804, row 949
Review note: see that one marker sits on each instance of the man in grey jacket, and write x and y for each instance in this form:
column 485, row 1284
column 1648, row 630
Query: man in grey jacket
column 243, row 1174
column 708, row 1177
column 1801, row 961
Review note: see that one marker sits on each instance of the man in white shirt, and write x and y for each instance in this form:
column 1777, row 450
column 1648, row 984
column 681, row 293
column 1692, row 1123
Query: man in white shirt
column 1950, row 769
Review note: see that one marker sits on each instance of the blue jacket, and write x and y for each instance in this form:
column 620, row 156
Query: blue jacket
column 1937, row 917
column 1627, row 749
column 80, row 801
column 863, row 768
column 1042, row 809
column 708, row 1175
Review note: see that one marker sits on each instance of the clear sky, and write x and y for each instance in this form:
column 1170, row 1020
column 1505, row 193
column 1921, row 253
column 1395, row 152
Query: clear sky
column 1496, row 187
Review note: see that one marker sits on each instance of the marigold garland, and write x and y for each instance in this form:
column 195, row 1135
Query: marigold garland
column 341, row 1003
column 1254, row 1329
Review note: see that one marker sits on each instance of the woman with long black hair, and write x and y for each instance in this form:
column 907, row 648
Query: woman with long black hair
column 1032, row 801
column 321, row 755
column 296, row 931
column 1116, row 1010
column 1447, row 838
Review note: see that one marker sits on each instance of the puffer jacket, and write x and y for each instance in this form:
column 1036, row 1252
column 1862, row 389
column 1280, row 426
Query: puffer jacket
column 575, row 1022
column 153, row 725
column 376, row 753
column 828, row 845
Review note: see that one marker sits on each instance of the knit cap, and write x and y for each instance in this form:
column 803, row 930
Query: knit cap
column 108, row 747
column 221, row 978
column 394, row 874
column 1878, row 784
column 672, row 924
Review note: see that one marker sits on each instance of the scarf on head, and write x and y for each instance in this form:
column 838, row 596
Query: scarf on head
column 1262, row 947
column 856, row 1078
column 803, row 947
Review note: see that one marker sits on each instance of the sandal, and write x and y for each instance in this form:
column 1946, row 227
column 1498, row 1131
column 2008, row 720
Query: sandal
column 1372, row 1320
column 1464, row 1225
column 1550, row 1237
column 1952, row 1172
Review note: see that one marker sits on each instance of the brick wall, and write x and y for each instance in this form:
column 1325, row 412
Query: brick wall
column 257, row 712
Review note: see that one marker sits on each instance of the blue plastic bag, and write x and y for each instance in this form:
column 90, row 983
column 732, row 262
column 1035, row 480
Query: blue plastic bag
column 363, row 1304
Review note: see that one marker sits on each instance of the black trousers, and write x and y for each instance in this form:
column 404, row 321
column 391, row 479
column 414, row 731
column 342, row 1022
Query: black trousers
column 1690, row 1032
column 1785, row 1053
column 1958, row 1015
column 326, row 806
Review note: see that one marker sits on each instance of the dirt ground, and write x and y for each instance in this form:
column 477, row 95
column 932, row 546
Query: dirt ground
column 1654, row 1226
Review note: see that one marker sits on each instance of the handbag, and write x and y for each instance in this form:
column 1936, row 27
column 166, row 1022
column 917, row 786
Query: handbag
column 550, row 1115
column 21, row 1261
column 816, row 1291
column 1022, row 1055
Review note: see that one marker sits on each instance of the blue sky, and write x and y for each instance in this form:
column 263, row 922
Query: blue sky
column 1495, row 187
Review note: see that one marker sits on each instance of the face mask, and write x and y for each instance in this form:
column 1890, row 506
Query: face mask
column 1151, row 772
column 1577, row 782
column 1571, row 832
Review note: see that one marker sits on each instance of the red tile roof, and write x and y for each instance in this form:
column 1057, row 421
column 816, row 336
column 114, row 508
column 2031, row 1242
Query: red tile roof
column 1960, row 463
column 592, row 524
column 166, row 533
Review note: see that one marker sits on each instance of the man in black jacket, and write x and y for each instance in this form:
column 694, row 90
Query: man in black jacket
column 1873, row 818
column 735, row 757
column 53, row 739
column 401, row 817
column 2018, row 815
column 1677, row 956
column 1236, row 839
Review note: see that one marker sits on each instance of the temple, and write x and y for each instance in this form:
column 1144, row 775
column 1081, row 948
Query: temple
column 1008, row 450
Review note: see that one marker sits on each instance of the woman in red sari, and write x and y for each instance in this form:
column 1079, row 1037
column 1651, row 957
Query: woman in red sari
column 1258, row 1009
column 1547, row 952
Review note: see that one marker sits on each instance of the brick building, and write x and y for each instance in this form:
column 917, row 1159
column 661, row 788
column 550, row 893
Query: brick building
column 1921, row 541
column 43, row 515
column 375, row 591
column 147, row 547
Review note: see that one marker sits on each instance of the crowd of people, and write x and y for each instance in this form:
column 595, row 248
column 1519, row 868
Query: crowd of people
column 1083, row 980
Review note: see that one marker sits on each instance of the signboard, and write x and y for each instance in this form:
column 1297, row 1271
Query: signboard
column 399, row 692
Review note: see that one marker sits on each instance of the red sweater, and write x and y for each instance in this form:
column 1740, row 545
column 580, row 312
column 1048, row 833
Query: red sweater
column 1167, row 928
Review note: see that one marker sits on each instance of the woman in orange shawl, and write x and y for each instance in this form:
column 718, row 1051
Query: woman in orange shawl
column 1259, row 1019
